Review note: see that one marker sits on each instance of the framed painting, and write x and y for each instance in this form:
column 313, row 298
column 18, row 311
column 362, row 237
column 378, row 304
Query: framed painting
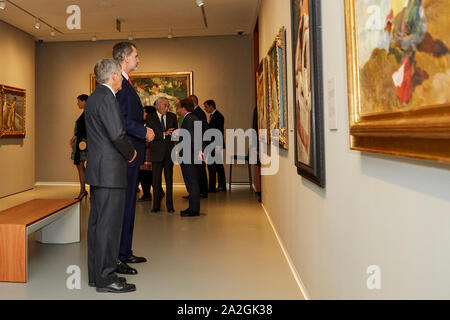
column 12, row 118
column 276, row 66
column 399, row 77
column 308, row 90
column 262, row 97
column 174, row 86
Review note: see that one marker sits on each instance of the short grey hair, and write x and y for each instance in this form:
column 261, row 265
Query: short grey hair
column 159, row 99
column 122, row 50
column 104, row 68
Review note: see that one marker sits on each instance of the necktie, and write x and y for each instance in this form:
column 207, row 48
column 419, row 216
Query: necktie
column 162, row 123
column 129, row 80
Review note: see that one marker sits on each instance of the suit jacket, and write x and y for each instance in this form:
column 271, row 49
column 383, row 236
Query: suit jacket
column 217, row 122
column 188, row 124
column 160, row 147
column 133, row 112
column 109, row 147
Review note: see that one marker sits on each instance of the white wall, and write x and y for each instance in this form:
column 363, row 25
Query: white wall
column 375, row 210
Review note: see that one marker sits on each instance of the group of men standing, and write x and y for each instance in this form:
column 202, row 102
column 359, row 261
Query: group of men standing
column 117, row 133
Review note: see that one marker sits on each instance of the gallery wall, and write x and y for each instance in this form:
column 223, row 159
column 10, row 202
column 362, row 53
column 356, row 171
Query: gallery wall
column 17, row 69
column 379, row 210
column 221, row 67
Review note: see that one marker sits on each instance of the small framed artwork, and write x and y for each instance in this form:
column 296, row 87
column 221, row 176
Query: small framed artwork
column 12, row 118
column 262, row 99
column 399, row 77
column 308, row 90
column 276, row 66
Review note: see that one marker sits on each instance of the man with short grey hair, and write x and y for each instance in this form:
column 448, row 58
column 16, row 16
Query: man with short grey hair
column 163, row 124
column 125, row 53
column 109, row 152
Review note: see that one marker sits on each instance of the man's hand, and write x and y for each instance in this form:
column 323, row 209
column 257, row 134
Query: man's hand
column 169, row 132
column 150, row 135
column 134, row 157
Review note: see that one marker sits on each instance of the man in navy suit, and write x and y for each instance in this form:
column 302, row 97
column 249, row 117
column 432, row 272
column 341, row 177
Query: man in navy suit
column 189, row 167
column 125, row 53
column 201, row 115
column 216, row 121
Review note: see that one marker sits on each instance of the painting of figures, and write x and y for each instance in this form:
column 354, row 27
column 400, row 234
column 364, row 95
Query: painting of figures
column 12, row 117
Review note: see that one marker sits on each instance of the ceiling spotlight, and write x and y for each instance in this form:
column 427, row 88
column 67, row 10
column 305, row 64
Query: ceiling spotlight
column 94, row 38
column 200, row 2
column 2, row 5
column 130, row 37
column 37, row 25
column 53, row 33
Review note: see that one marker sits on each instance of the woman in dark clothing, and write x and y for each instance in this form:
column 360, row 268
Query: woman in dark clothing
column 78, row 143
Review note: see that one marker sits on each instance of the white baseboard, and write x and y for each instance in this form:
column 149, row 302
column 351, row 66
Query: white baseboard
column 297, row 277
column 61, row 184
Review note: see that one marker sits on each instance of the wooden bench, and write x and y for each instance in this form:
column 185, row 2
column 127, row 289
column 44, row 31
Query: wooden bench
column 55, row 221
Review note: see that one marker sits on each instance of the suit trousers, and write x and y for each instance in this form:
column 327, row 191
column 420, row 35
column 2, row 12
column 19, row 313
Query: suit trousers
column 219, row 170
column 145, row 178
column 104, row 228
column 203, row 181
column 157, row 168
column 191, row 176
column 129, row 213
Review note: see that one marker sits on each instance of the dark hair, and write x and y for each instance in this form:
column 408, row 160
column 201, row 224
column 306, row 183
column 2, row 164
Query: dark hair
column 194, row 97
column 149, row 109
column 83, row 97
column 211, row 103
column 187, row 104
column 121, row 50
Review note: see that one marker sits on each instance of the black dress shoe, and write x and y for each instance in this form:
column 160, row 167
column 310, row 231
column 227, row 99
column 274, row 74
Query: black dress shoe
column 156, row 210
column 118, row 287
column 221, row 189
column 123, row 268
column 203, row 195
column 189, row 213
column 186, row 197
column 134, row 259
column 120, row 279
column 212, row 191
column 171, row 210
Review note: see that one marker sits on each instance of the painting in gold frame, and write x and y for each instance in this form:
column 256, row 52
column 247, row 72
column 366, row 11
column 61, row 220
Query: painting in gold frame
column 12, row 117
column 175, row 86
column 276, row 79
column 398, row 67
column 262, row 97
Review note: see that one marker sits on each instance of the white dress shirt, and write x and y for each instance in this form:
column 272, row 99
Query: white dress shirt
column 109, row 88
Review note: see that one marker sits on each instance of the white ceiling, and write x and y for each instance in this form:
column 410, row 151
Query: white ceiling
column 141, row 18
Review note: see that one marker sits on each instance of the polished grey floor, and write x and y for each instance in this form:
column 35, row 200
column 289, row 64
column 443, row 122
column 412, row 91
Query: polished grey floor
column 229, row 252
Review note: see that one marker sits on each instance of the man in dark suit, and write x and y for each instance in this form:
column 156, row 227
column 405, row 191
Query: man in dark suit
column 106, row 172
column 201, row 115
column 189, row 167
column 125, row 53
column 163, row 123
column 216, row 121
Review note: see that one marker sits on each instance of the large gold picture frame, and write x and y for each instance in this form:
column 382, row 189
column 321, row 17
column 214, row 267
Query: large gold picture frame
column 12, row 115
column 396, row 103
column 150, row 85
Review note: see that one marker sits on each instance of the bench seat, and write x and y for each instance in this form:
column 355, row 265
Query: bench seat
column 54, row 221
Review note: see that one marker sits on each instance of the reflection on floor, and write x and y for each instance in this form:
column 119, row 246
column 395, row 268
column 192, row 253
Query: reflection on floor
column 229, row 252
